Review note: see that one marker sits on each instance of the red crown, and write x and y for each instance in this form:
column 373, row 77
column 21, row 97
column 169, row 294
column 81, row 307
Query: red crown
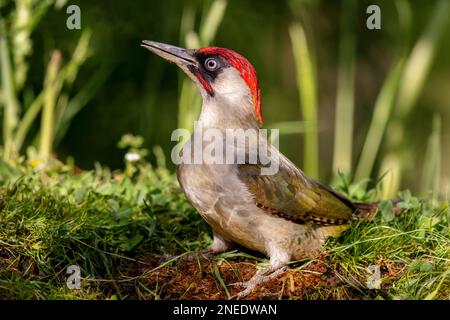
column 246, row 70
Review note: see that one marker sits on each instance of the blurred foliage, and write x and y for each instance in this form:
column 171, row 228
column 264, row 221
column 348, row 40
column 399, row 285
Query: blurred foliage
column 107, row 85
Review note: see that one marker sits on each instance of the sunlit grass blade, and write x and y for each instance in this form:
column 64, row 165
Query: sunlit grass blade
column 27, row 120
column 221, row 281
column 380, row 118
column 390, row 166
column 307, row 88
column 431, row 175
column 21, row 41
column 79, row 56
column 434, row 294
column 421, row 58
column 28, row 14
column 51, row 89
column 343, row 131
column 212, row 21
column 10, row 104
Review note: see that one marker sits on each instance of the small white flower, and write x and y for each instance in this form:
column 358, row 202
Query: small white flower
column 132, row 157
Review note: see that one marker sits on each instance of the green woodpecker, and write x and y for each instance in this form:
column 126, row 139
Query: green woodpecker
column 285, row 215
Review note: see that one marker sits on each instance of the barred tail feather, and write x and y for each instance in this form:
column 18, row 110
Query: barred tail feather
column 367, row 211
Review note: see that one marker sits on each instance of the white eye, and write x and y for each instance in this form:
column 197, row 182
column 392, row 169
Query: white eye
column 211, row 64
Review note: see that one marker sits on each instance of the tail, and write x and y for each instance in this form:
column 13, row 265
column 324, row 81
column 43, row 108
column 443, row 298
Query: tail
column 367, row 211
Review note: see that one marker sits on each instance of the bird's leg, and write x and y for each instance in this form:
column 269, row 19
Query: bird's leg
column 219, row 245
column 277, row 266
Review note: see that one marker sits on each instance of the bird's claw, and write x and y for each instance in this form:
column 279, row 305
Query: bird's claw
column 257, row 279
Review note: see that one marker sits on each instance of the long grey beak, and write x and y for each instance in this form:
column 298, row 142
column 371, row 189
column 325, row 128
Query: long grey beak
column 169, row 52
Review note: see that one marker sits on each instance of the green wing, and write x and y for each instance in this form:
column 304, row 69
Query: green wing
column 293, row 196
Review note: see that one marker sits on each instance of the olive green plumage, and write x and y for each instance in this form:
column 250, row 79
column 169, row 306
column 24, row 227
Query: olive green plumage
column 295, row 197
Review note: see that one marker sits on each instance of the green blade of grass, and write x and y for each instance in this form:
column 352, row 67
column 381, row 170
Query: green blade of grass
column 431, row 170
column 10, row 103
column 27, row 120
column 380, row 118
column 28, row 14
column 343, row 131
column 51, row 88
column 221, row 281
column 212, row 21
column 432, row 295
column 307, row 88
column 421, row 58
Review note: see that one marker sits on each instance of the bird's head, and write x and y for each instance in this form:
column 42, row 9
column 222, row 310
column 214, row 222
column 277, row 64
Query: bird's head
column 223, row 76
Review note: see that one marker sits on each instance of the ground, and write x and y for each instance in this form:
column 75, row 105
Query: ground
column 130, row 233
column 314, row 279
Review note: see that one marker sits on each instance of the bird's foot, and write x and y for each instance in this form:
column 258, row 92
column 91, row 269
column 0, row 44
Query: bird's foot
column 219, row 245
column 262, row 276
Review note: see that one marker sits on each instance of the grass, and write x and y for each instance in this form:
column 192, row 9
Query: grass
column 98, row 220
column 307, row 88
column 345, row 95
column 127, row 230
column 54, row 102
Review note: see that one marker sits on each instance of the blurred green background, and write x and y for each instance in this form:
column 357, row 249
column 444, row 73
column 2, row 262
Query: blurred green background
column 125, row 89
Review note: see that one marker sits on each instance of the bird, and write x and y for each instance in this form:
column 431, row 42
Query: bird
column 286, row 215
